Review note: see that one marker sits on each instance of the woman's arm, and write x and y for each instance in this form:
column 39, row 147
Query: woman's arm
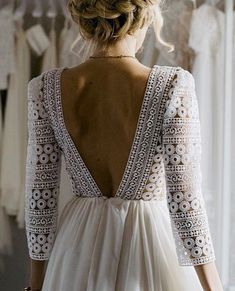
column 181, row 140
column 42, row 182
column 209, row 277
column 182, row 156
column 36, row 274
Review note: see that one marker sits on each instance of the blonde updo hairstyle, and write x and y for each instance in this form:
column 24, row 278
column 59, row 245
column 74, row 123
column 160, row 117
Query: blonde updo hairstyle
column 104, row 22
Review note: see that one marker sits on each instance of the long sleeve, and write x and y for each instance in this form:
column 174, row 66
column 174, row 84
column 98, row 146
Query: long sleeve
column 181, row 144
column 42, row 176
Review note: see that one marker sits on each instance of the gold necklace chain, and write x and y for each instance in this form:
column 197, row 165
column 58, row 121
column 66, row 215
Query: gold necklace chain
column 120, row 56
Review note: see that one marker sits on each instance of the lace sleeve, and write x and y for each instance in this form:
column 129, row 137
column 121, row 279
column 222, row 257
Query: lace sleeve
column 181, row 141
column 42, row 176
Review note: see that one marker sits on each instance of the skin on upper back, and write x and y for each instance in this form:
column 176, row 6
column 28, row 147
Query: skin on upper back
column 101, row 104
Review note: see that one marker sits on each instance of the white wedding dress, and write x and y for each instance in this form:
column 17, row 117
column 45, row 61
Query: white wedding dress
column 14, row 141
column 208, row 71
column 151, row 233
column 7, row 48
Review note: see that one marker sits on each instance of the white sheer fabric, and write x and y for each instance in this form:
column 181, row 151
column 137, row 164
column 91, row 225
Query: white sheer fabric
column 209, row 73
column 232, row 239
column 177, row 17
column 149, row 53
column 67, row 37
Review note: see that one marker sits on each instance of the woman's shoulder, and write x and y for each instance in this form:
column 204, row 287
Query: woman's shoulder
column 182, row 77
column 180, row 71
column 37, row 84
column 38, row 78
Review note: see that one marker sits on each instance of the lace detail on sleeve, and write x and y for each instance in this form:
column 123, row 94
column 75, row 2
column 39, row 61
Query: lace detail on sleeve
column 42, row 176
column 181, row 142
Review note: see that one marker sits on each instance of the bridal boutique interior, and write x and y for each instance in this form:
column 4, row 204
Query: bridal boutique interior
column 36, row 36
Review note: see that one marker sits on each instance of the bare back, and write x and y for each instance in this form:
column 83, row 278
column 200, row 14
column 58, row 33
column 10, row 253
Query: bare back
column 101, row 105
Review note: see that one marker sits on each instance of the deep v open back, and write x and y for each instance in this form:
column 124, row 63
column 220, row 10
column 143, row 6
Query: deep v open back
column 158, row 210
column 137, row 133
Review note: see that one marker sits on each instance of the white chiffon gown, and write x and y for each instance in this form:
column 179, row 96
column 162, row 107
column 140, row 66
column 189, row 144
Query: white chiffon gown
column 154, row 230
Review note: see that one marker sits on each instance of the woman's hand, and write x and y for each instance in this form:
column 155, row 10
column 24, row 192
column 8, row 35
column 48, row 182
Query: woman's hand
column 209, row 277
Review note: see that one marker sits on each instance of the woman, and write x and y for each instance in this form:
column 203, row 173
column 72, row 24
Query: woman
column 130, row 136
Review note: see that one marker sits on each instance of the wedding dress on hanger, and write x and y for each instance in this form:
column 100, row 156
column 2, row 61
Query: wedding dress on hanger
column 15, row 132
column 5, row 237
column 232, row 264
column 176, row 31
column 208, row 71
column 149, row 53
column 7, row 53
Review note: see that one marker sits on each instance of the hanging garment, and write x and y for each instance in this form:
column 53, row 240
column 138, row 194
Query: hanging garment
column 68, row 35
column 7, row 46
column 208, row 71
column 5, row 237
column 50, row 62
column 50, row 55
column 6, row 247
column 149, row 54
column 151, row 233
column 232, row 212
column 176, row 31
column 37, row 39
column 14, row 143
column 1, row 126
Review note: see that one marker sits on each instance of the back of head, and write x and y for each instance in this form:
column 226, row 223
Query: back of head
column 107, row 21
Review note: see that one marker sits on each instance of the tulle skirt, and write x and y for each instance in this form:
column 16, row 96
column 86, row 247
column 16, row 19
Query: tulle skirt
column 116, row 245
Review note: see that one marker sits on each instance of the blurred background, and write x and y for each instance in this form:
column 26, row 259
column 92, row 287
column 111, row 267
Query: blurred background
column 36, row 35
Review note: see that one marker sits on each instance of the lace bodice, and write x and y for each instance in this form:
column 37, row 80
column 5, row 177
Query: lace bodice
column 164, row 162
